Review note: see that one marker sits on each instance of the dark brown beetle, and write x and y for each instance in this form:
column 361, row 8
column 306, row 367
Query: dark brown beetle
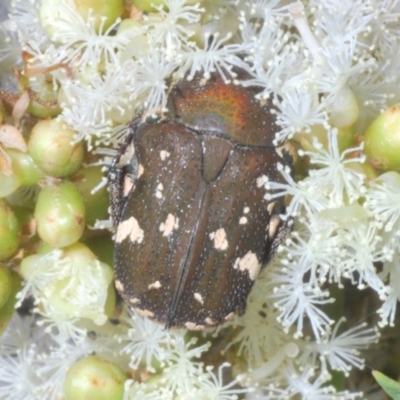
column 193, row 227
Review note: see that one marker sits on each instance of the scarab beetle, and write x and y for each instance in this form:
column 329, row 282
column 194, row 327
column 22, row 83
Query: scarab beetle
column 192, row 225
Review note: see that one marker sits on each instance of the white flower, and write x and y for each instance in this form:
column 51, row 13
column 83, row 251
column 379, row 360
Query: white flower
column 212, row 386
column 260, row 333
column 363, row 250
column 146, row 342
column 339, row 352
column 341, row 22
column 10, row 50
column 169, row 29
column 153, row 70
column 68, row 287
column 18, row 377
column 181, row 372
column 217, row 55
column 95, row 101
column 310, row 385
column 297, row 299
column 383, row 30
column 387, row 311
column 336, row 181
column 383, row 199
column 305, row 194
column 315, row 245
column 298, row 109
column 80, row 44
column 25, row 21
column 41, row 271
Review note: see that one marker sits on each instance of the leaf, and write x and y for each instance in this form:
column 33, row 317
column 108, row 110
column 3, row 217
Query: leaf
column 391, row 387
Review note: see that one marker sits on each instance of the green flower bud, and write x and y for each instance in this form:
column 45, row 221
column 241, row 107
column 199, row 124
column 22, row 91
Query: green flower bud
column 345, row 138
column 9, row 232
column 52, row 147
column 6, row 284
column 25, row 169
column 43, row 98
column 8, row 309
column 146, row 5
column 85, row 264
column 139, row 43
column 51, row 13
column 108, row 9
column 60, row 214
column 343, row 113
column 364, row 169
column 346, row 216
column 8, row 184
column 382, row 140
column 96, row 204
column 93, row 378
column 82, row 255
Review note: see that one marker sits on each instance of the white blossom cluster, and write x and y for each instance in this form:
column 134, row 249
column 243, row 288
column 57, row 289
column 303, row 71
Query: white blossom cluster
column 330, row 67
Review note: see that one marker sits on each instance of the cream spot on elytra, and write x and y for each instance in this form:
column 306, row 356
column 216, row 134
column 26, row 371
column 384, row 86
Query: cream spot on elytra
column 199, row 298
column 155, row 285
column 145, row 313
column 210, row 321
column 134, row 300
column 169, row 225
column 261, row 181
column 271, row 207
column 193, row 326
column 248, row 263
column 130, row 227
column 273, row 226
column 243, row 221
column 160, row 188
column 119, row 285
column 219, row 237
column 128, row 185
column 164, row 154
column 246, row 210
column 230, row 316
column 140, row 170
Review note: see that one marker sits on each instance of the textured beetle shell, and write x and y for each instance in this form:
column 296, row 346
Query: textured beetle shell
column 193, row 227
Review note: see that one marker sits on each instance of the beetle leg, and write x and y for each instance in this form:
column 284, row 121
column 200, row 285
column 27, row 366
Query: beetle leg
column 122, row 174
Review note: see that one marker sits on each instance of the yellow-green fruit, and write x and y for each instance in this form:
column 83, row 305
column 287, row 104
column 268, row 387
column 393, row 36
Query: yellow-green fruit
column 60, row 214
column 108, row 9
column 382, row 140
column 8, row 309
column 52, row 147
column 5, row 284
column 9, row 232
column 93, row 378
